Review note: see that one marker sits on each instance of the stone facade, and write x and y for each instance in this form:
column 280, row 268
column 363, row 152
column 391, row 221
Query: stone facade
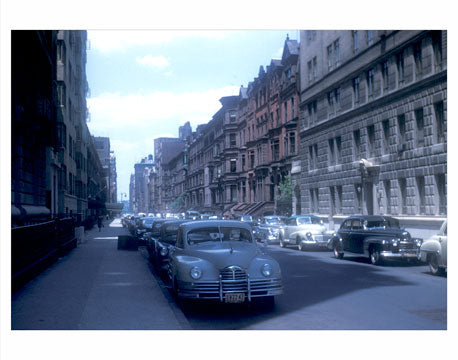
column 374, row 127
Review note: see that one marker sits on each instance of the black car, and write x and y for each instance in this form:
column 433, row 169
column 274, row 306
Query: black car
column 378, row 237
column 158, row 245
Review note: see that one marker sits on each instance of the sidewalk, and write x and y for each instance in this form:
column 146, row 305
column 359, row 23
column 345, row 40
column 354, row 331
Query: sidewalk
column 97, row 287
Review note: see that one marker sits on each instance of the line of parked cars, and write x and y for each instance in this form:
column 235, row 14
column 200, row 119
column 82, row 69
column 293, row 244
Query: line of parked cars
column 220, row 259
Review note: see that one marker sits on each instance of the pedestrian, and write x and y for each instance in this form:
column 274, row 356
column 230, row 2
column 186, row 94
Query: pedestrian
column 99, row 223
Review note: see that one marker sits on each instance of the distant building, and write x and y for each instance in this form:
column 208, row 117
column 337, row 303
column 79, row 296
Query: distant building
column 141, row 183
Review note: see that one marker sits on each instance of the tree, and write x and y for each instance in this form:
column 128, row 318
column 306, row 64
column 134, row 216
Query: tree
column 178, row 203
column 285, row 196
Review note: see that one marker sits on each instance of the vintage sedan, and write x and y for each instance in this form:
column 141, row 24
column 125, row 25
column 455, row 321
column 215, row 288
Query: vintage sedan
column 378, row 237
column 434, row 251
column 158, row 247
column 305, row 231
column 269, row 229
column 219, row 259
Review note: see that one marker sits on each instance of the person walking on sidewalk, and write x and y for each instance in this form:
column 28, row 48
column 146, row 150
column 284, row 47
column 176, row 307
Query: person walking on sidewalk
column 99, row 223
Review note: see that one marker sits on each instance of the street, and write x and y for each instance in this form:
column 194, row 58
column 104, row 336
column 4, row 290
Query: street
column 100, row 287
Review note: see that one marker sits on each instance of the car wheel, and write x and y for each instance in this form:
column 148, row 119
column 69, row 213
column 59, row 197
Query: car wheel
column 434, row 264
column 337, row 253
column 374, row 256
column 282, row 244
column 300, row 246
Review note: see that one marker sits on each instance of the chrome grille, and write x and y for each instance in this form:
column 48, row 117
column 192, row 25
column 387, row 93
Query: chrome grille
column 233, row 273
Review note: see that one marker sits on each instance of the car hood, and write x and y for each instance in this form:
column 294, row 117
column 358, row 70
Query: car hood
column 225, row 254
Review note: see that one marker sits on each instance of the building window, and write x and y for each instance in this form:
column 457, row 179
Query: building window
column 356, row 91
column 331, row 103
column 332, row 198
column 339, row 199
column 386, row 136
column 61, row 51
column 371, row 140
column 252, row 159
column 355, row 41
column 420, row 181
column 233, row 165
column 61, row 93
column 441, row 188
column 337, row 96
column 440, row 122
column 292, row 143
column 330, row 57
column 370, row 37
column 232, row 117
column 292, row 108
column 385, row 78
column 232, row 140
column 356, row 144
column 418, row 60
column 332, row 158
column 275, row 149
column 387, row 188
column 285, row 112
column 338, row 144
column 400, row 67
column 403, row 193
column 419, row 120
column 314, row 200
column 437, row 49
column 315, row 69
column 337, row 52
column 402, row 129
column 370, row 83
column 243, row 162
column 312, row 109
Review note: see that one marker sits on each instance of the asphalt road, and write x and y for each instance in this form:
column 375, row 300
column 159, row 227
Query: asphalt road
column 324, row 293
column 97, row 286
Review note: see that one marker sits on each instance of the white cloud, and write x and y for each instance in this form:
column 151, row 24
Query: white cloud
column 153, row 61
column 166, row 110
column 121, row 40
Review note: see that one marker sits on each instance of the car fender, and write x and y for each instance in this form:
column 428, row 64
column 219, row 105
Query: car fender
column 184, row 263
column 430, row 247
column 379, row 240
column 334, row 240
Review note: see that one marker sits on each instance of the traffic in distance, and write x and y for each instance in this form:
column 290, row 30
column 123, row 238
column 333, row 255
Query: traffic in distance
column 203, row 256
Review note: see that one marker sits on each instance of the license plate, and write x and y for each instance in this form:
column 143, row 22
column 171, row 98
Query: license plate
column 235, row 298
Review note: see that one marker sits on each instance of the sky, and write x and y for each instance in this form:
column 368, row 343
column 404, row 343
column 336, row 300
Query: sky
column 144, row 84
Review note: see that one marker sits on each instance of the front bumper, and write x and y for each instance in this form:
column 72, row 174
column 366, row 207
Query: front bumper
column 402, row 254
column 317, row 240
column 252, row 288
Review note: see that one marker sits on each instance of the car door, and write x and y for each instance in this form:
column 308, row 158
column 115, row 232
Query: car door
column 357, row 236
column 291, row 228
column 344, row 232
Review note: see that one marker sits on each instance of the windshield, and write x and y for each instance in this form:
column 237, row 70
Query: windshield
column 382, row 224
column 218, row 234
column 148, row 221
column 273, row 221
column 308, row 220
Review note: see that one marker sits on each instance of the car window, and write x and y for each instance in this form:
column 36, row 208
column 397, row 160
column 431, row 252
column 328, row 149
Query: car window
column 356, row 224
column 304, row 220
column 215, row 234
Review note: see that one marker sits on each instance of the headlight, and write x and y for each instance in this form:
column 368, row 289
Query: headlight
column 164, row 251
column 309, row 235
column 394, row 242
column 196, row 273
column 266, row 270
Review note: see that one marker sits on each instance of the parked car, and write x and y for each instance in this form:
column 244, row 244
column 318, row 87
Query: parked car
column 269, row 229
column 192, row 215
column 378, row 237
column 219, row 259
column 151, row 236
column 158, row 247
column 434, row 251
column 304, row 231
column 244, row 218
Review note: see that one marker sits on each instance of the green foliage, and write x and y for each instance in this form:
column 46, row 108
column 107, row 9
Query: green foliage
column 285, row 189
column 178, row 203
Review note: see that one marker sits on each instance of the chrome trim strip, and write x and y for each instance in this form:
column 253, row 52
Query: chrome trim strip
column 220, row 287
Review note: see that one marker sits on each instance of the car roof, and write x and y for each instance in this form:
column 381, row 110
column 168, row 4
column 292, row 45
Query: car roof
column 370, row 217
column 212, row 223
